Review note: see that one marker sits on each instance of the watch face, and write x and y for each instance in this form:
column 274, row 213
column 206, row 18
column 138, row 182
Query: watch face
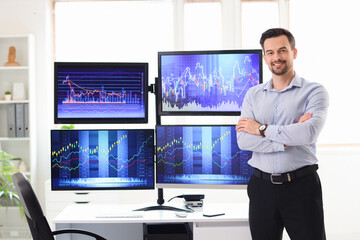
column 262, row 127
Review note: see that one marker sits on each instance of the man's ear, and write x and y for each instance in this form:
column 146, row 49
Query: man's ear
column 295, row 53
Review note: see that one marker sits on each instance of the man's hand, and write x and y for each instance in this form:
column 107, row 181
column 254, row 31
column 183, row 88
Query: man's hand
column 248, row 125
column 305, row 117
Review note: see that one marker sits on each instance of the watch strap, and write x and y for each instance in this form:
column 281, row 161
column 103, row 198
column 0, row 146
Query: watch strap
column 262, row 132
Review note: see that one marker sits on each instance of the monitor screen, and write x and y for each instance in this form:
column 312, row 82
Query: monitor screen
column 200, row 157
column 102, row 159
column 101, row 92
column 211, row 82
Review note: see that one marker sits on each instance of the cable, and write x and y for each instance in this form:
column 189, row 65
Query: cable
column 192, row 210
column 182, row 196
column 179, row 196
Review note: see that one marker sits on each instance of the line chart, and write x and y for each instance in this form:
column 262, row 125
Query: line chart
column 86, row 92
column 196, row 154
column 207, row 82
column 87, row 156
column 97, row 96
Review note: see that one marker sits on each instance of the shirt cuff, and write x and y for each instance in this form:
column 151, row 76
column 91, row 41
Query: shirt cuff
column 271, row 133
column 278, row 147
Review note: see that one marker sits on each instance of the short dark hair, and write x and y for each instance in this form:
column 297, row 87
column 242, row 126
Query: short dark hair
column 276, row 32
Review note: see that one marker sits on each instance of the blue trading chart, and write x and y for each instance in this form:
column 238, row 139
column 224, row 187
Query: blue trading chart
column 208, row 82
column 102, row 159
column 201, row 155
column 95, row 92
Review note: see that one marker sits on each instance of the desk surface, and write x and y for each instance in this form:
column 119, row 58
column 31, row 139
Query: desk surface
column 87, row 213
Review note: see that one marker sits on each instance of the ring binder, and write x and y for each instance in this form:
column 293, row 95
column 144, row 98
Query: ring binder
column 11, row 120
column 19, row 116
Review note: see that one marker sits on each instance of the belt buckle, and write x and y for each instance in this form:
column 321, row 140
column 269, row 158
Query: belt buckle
column 272, row 180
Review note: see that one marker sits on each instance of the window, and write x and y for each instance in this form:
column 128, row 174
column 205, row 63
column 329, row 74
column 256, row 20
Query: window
column 118, row 31
column 328, row 53
column 202, row 24
column 257, row 17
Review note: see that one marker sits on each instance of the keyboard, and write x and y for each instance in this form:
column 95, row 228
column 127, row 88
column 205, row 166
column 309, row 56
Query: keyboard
column 120, row 215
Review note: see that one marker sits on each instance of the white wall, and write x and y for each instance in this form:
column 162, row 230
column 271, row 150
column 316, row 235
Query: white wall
column 339, row 175
column 34, row 16
column 338, row 165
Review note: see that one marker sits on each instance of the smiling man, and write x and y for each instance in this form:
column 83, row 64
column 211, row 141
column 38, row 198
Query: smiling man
column 280, row 122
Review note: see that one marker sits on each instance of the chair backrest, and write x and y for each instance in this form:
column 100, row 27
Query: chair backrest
column 39, row 227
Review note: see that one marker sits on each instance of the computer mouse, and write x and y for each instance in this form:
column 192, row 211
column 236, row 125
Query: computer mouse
column 181, row 214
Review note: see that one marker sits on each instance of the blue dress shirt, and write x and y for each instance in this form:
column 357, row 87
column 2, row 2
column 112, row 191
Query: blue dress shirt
column 281, row 111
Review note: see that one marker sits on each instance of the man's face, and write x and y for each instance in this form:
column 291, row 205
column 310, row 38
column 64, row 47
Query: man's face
column 278, row 55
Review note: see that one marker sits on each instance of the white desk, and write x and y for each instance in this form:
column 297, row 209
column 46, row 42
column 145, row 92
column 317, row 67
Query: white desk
column 232, row 225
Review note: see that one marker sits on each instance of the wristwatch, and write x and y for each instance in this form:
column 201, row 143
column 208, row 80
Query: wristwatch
column 262, row 129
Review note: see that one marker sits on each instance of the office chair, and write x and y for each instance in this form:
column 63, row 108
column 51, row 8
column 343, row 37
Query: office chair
column 39, row 226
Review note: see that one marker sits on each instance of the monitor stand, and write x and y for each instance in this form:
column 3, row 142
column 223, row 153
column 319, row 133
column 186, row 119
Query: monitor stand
column 160, row 205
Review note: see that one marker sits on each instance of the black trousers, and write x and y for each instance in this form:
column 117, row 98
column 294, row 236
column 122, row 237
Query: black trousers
column 296, row 206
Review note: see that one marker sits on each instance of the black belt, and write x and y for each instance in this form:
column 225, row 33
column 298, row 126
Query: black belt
column 286, row 177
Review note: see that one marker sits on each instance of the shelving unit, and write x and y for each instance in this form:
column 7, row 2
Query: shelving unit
column 22, row 147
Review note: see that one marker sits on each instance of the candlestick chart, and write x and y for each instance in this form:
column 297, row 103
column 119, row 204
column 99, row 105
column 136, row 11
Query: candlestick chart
column 201, row 155
column 90, row 159
column 207, row 82
column 85, row 92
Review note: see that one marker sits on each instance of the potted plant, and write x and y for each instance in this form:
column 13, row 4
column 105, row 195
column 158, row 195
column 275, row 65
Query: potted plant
column 7, row 95
column 8, row 195
column 12, row 215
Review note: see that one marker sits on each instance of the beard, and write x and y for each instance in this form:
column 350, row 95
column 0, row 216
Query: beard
column 281, row 70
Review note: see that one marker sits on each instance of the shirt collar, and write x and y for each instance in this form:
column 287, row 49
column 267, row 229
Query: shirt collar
column 295, row 82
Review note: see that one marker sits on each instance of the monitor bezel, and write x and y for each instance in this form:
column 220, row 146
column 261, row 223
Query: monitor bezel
column 100, row 120
column 192, row 186
column 108, row 188
column 161, row 112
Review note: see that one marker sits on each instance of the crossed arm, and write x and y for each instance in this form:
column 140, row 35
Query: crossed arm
column 249, row 137
column 251, row 126
column 277, row 137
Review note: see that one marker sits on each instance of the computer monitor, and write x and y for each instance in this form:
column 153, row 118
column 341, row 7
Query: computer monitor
column 102, row 159
column 206, row 82
column 200, row 157
column 89, row 92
